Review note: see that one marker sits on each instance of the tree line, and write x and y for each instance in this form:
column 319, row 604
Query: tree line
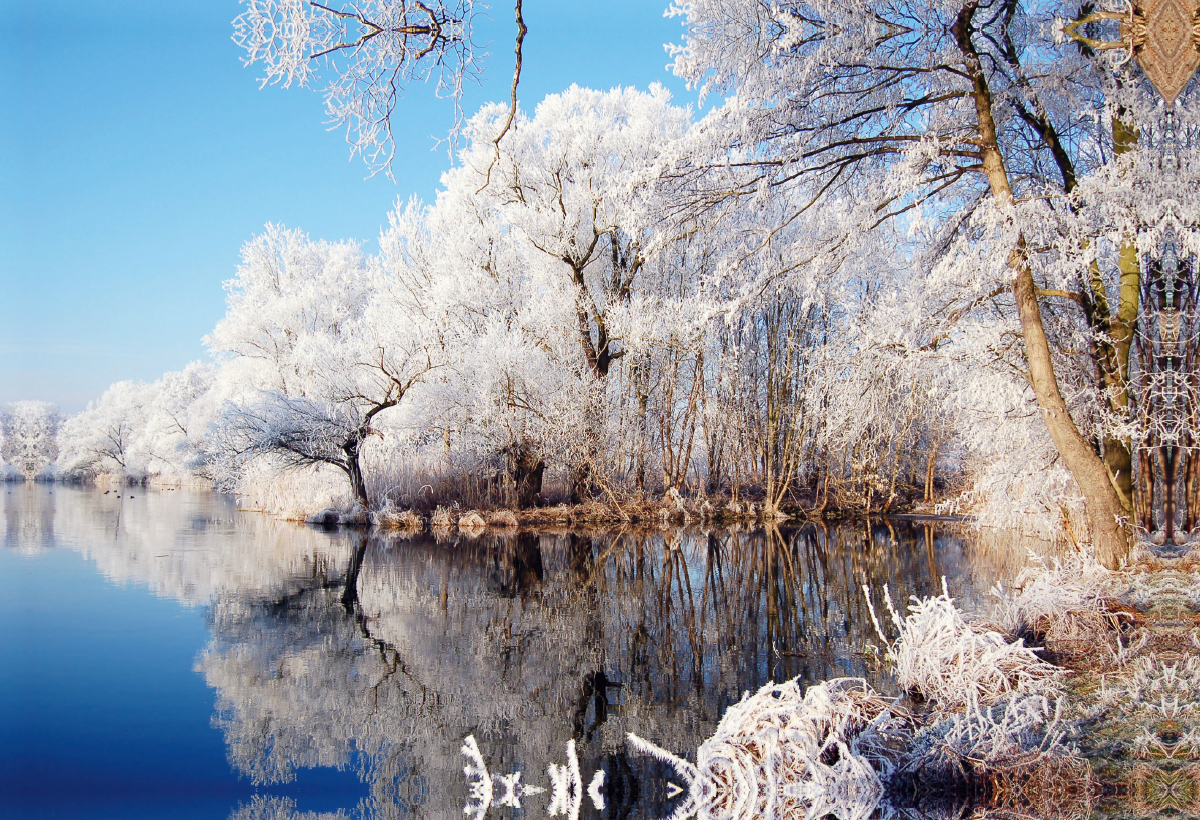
column 916, row 252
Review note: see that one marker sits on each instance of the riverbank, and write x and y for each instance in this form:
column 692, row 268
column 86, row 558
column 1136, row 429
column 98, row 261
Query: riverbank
column 1138, row 694
column 671, row 511
column 1079, row 698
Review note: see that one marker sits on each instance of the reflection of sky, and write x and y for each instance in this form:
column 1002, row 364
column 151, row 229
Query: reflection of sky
column 116, row 613
column 101, row 713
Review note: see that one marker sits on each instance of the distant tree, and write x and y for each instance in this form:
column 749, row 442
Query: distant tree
column 107, row 437
column 178, row 420
column 29, row 436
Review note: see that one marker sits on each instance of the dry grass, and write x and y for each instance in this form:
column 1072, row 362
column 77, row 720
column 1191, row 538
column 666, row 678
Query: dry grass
column 503, row 518
column 398, row 520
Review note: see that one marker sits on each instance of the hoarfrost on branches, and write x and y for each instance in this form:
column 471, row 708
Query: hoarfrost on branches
column 361, row 56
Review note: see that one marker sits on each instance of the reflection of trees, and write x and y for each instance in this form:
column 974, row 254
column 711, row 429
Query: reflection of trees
column 529, row 641
column 28, row 521
column 526, row 641
column 278, row 808
column 186, row 546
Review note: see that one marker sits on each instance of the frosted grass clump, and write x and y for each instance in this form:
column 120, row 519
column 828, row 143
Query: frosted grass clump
column 1017, row 748
column 781, row 753
column 1022, row 729
column 946, row 660
column 1063, row 602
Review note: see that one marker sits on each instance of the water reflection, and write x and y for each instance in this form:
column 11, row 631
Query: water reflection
column 342, row 649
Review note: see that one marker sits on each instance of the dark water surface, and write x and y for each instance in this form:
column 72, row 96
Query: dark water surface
column 163, row 655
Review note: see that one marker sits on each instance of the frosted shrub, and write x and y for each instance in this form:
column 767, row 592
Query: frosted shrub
column 781, row 753
column 1067, row 601
column 952, row 663
column 472, row 522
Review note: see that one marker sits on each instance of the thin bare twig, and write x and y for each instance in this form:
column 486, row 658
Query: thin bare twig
column 522, row 30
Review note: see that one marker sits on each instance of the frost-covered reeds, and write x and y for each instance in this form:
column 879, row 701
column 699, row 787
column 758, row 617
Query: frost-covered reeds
column 948, row 661
column 992, row 720
column 1065, row 605
column 784, row 753
column 290, row 494
column 389, row 518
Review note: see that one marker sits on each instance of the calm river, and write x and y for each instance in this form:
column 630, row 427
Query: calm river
column 164, row 655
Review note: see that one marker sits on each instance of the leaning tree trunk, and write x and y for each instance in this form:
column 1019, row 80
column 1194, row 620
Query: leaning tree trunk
column 1105, row 513
column 1104, row 508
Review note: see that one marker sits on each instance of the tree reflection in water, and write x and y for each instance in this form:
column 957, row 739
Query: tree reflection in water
column 339, row 649
column 385, row 661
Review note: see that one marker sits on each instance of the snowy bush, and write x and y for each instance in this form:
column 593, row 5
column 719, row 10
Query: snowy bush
column 946, row 660
column 784, row 753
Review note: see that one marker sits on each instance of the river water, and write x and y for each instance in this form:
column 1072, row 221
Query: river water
column 164, row 655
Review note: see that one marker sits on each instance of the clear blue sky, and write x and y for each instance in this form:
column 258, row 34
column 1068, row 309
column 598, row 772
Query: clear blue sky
column 137, row 154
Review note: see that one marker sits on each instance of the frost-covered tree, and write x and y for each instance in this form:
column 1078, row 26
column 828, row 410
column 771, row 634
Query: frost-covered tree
column 964, row 116
column 29, row 436
column 512, row 388
column 571, row 181
column 318, row 343
column 549, row 274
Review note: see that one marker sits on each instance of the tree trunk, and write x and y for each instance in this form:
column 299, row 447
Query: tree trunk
column 1104, row 509
column 1144, row 495
column 1191, row 489
column 1168, row 460
column 930, row 468
column 1110, row 541
column 581, row 483
column 358, row 486
column 527, row 471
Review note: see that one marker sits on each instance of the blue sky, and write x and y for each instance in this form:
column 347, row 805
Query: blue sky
column 137, row 154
